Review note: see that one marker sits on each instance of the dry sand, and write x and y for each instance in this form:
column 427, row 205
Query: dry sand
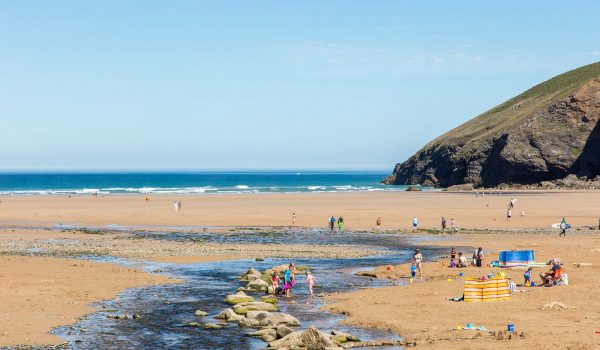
column 359, row 210
column 420, row 311
column 40, row 293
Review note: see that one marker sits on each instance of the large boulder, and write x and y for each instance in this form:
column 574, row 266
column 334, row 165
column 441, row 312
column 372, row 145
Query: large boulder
column 243, row 308
column 248, row 322
column 229, row 315
column 250, row 275
column 279, row 319
column 258, row 315
column 290, row 341
column 269, row 299
column 283, row 331
column 341, row 337
column 267, row 334
column 239, row 297
column 257, row 285
column 310, row 339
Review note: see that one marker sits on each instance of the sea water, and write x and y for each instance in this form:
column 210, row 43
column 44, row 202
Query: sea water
column 104, row 183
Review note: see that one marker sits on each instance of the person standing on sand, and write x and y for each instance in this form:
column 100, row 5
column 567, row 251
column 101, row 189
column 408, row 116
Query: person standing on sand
column 340, row 222
column 479, row 257
column 378, row 227
column 293, row 219
column 522, row 214
column 415, row 223
column 417, row 259
column 453, row 226
column 331, row 222
column 443, row 224
column 509, row 214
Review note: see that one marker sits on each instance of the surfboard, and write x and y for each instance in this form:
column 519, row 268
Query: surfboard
column 557, row 226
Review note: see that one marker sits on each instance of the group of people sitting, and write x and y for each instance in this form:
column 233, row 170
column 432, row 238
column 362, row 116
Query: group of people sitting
column 462, row 261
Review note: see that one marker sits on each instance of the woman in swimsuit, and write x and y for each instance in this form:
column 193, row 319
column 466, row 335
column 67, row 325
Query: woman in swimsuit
column 417, row 258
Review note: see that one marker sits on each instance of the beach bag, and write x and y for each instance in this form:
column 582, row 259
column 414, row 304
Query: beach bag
column 293, row 283
column 564, row 280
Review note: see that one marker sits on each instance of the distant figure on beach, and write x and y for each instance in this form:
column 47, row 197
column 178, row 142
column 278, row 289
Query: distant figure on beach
column 415, row 223
column 563, row 228
column 310, row 280
column 293, row 219
column 509, row 214
column 177, row 206
column 331, row 223
column 147, row 199
column 453, row 226
column 417, row 259
column 452, row 253
column 522, row 214
column 378, row 223
column 340, row 222
column 511, row 204
column 443, row 224
column 462, row 260
column 479, row 256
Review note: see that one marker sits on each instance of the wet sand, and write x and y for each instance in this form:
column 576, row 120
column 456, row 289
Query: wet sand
column 421, row 312
column 360, row 210
column 40, row 293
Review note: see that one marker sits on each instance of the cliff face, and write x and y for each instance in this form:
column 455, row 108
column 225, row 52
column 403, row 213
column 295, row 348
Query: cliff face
column 546, row 133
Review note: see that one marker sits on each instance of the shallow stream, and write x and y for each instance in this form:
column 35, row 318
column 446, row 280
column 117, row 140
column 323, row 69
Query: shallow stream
column 165, row 309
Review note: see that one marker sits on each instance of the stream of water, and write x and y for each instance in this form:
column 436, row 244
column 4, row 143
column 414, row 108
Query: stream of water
column 165, row 309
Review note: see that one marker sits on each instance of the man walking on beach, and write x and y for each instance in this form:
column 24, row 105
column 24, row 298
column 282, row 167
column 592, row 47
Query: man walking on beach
column 331, row 223
column 293, row 219
column 378, row 227
column 443, row 224
column 563, row 228
column 415, row 223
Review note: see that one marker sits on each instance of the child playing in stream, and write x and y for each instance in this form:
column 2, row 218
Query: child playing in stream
column 275, row 281
column 310, row 280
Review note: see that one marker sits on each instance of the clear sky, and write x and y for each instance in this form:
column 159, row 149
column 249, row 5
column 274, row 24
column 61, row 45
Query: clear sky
column 266, row 84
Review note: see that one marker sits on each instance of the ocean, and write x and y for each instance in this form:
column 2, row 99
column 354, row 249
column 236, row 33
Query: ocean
column 104, row 183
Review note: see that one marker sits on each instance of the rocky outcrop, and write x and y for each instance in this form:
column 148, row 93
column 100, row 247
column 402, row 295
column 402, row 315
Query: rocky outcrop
column 543, row 135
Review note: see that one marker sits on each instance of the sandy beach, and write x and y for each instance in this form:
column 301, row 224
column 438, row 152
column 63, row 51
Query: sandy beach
column 41, row 293
column 422, row 313
column 360, row 210
column 419, row 311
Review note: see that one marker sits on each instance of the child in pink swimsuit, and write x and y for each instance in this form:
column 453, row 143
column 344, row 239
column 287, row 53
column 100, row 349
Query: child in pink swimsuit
column 275, row 281
column 310, row 279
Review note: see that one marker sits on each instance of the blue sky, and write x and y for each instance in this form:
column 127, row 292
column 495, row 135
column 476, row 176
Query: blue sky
column 266, row 84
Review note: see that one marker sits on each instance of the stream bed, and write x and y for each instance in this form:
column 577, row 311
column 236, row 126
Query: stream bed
column 165, row 309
